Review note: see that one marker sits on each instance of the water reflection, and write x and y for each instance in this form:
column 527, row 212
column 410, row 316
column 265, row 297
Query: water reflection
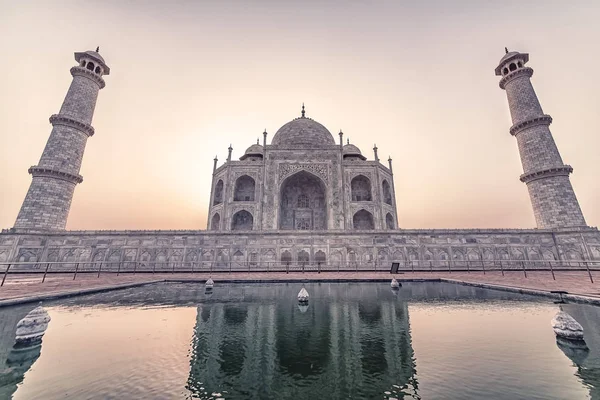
column 254, row 341
column 15, row 361
column 586, row 360
column 350, row 343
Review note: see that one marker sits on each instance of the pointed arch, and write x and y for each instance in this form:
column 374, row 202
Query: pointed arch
column 389, row 221
column 242, row 221
column 215, row 223
column 302, row 202
column 363, row 220
column 218, row 196
column 387, row 192
column 360, row 188
column 244, row 189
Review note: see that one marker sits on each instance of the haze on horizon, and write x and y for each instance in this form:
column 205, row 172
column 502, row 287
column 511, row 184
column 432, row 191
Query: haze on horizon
column 189, row 78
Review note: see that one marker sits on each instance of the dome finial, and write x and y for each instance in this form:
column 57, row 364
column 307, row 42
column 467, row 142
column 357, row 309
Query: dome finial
column 348, row 140
column 506, row 49
column 303, row 110
column 256, row 140
column 98, row 49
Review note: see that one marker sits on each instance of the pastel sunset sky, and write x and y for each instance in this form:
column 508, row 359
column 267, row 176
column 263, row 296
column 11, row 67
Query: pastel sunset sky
column 190, row 77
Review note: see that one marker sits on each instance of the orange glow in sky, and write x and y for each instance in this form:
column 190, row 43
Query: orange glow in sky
column 189, row 78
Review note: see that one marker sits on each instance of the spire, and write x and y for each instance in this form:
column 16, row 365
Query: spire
column 303, row 112
column 256, row 140
column 348, row 140
column 98, row 49
column 506, row 50
column 375, row 152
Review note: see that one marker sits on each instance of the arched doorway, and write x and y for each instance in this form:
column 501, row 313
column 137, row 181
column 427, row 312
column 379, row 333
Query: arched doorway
column 242, row 221
column 215, row 224
column 302, row 204
column 363, row 220
column 389, row 221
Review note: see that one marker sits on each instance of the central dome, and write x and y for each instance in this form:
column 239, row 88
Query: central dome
column 303, row 132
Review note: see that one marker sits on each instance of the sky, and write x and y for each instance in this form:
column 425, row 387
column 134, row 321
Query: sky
column 188, row 78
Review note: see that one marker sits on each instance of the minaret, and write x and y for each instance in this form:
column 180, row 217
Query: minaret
column 547, row 178
column 48, row 201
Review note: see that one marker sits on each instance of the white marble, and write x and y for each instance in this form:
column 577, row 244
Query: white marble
column 303, row 295
column 33, row 326
column 395, row 284
column 567, row 327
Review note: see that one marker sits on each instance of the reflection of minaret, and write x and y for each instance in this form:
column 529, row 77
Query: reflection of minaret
column 14, row 362
column 588, row 370
column 233, row 348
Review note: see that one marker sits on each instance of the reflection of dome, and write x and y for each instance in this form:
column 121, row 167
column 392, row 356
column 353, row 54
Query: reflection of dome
column 303, row 132
column 352, row 150
column 254, row 150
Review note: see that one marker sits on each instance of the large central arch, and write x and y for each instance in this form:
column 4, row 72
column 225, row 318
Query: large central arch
column 302, row 203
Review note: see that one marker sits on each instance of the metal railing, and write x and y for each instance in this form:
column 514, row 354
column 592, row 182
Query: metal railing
column 42, row 270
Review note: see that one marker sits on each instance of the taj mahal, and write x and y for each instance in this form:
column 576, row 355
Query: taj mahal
column 301, row 196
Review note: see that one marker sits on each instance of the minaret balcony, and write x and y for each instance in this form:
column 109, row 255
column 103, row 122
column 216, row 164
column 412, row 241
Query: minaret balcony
column 55, row 173
column 60, row 119
column 564, row 170
column 80, row 71
column 525, row 71
column 521, row 126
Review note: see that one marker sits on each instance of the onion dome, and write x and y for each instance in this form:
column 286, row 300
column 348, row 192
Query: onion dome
column 304, row 132
column 350, row 150
column 256, row 150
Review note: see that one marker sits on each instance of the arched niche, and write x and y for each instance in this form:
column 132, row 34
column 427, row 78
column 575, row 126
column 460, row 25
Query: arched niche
column 244, row 189
column 363, row 220
column 215, row 222
column 389, row 221
column 387, row 192
column 286, row 257
column 242, row 221
column 302, row 204
column 360, row 188
column 218, row 196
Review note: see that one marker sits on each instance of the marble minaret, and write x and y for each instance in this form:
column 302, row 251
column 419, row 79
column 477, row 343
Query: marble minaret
column 546, row 176
column 47, row 203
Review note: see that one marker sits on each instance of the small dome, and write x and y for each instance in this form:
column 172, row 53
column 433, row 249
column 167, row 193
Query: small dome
column 94, row 55
column 352, row 150
column 508, row 55
column 303, row 132
column 254, row 150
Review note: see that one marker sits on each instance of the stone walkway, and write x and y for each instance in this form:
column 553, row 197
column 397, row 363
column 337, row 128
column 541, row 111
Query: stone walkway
column 18, row 288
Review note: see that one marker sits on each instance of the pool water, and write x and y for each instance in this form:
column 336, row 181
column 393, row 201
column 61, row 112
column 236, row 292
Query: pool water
column 429, row 340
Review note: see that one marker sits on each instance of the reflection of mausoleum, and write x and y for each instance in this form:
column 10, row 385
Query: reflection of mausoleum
column 303, row 180
column 360, row 347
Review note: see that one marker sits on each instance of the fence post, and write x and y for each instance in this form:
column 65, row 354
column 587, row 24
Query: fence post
column 99, row 269
column 587, row 266
column 483, row 265
column 524, row 270
column 173, row 269
column 449, row 270
column 229, row 266
column 552, row 270
column 118, row 269
column 468, row 271
column 287, row 267
column 45, row 272
column 319, row 267
column 76, row 268
column 5, row 273
column 501, row 269
column 431, row 266
column 134, row 266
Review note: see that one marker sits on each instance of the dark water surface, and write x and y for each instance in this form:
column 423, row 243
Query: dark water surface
column 354, row 341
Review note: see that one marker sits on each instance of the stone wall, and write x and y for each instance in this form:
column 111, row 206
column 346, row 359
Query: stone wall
column 205, row 248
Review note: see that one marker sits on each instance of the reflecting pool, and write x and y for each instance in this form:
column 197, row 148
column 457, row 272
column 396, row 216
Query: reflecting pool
column 428, row 340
